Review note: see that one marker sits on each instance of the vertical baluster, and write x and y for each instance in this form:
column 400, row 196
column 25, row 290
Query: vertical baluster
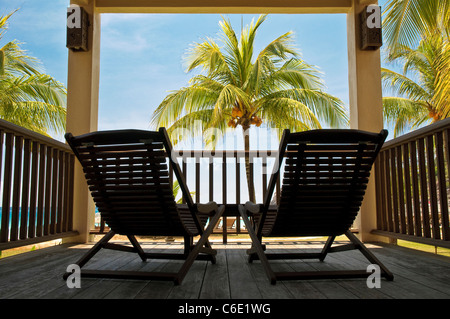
column 395, row 210
column 407, row 179
column 264, row 175
column 238, row 178
column 17, row 183
column 252, row 179
column 48, row 188
column 197, row 178
column 416, row 193
column 447, row 160
column 2, row 134
column 433, row 192
column 60, row 192
column 211, row 178
column 70, row 187
column 224, row 178
column 41, row 189
column 54, row 191
column 184, row 171
column 442, row 182
column 401, row 192
column 423, row 189
column 278, row 185
column 33, row 188
column 25, row 189
column 65, row 208
column 384, row 183
column 6, row 203
column 390, row 225
column 224, row 189
column 379, row 191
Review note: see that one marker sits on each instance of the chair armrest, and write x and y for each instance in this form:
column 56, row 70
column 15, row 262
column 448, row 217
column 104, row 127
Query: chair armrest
column 210, row 208
column 252, row 207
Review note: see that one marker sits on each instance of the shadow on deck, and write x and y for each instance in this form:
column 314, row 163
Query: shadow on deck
column 38, row 275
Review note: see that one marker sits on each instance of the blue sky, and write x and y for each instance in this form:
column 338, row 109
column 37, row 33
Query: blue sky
column 141, row 55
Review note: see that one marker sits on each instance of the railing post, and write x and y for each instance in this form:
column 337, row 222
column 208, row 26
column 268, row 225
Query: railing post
column 82, row 114
column 365, row 96
column 416, row 186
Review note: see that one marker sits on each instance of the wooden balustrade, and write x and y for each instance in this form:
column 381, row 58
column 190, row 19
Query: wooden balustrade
column 220, row 176
column 412, row 182
column 411, row 175
column 37, row 187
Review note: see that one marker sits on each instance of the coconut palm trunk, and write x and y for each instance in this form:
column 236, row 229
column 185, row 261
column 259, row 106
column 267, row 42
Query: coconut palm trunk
column 248, row 164
column 237, row 87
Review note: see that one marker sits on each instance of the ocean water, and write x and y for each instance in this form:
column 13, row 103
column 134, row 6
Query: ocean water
column 97, row 217
column 10, row 216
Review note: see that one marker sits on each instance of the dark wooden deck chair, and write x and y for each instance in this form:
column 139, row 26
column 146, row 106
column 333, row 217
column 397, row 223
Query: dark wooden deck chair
column 325, row 178
column 128, row 175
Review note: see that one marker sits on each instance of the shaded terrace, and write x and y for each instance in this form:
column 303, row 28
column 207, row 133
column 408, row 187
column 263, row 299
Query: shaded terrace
column 407, row 197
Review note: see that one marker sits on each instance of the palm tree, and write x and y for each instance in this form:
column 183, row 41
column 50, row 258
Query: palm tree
column 237, row 88
column 406, row 22
column 28, row 97
column 416, row 88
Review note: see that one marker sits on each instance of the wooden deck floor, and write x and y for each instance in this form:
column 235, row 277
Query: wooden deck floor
column 38, row 274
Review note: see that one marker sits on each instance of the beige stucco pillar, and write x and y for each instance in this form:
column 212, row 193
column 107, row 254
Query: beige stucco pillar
column 82, row 113
column 364, row 71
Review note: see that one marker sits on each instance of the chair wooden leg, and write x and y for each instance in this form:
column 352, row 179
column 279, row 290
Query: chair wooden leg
column 369, row 255
column 188, row 243
column 138, row 247
column 257, row 252
column 203, row 241
column 258, row 247
column 326, row 248
column 191, row 254
column 94, row 250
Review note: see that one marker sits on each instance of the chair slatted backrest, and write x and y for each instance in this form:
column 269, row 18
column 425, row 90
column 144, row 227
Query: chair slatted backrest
column 128, row 176
column 325, row 177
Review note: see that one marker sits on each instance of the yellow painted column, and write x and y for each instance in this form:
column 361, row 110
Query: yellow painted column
column 366, row 113
column 82, row 113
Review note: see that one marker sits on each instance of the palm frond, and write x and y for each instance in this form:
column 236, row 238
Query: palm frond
column 404, row 114
column 403, row 86
column 323, row 106
column 407, row 21
column 28, row 97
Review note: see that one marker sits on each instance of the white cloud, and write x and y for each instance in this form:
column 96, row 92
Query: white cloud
column 132, row 43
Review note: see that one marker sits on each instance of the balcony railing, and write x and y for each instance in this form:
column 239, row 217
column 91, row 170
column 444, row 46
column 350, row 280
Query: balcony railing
column 411, row 175
column 220, row 176
column 412, row 182
column 36, row 173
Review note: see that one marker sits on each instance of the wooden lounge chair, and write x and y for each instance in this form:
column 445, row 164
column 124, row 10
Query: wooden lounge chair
column 325, row 178
column 128, row 177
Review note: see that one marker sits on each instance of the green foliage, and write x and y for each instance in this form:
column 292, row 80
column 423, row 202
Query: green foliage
column 238, row 87
column 407, row 22
column 28, row 97
column 417, row 37
column 176, row 190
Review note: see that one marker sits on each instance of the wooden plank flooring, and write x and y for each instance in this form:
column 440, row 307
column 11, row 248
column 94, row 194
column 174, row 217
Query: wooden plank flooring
column 38, row 274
